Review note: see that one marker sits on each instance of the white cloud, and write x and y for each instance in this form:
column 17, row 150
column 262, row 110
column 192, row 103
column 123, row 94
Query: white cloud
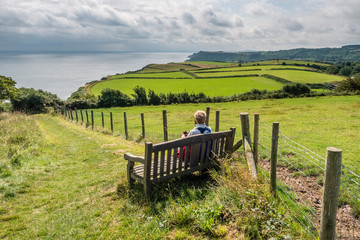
column 178, row 25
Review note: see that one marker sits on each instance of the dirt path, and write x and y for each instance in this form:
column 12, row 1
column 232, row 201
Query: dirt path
column 309, row 191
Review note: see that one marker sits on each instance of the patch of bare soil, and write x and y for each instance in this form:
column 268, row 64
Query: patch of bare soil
column 309, row 192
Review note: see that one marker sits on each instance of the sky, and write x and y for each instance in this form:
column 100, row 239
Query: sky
column 177, row 25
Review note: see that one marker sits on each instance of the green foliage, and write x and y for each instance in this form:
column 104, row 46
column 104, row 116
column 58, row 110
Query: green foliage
column 7, row 88
column 140, row 96
column 296, row 89
column 33, row 101
column 351, row 84
column 82, row 102
column 113, row 98
column 154, row 99
column 345, row 53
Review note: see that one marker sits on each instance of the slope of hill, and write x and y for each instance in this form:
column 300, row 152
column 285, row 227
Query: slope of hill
column 346, row 53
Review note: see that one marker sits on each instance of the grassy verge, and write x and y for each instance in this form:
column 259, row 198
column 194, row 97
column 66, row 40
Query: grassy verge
column 76, row 188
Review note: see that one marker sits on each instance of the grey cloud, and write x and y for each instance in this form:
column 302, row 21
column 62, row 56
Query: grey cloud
column 188, row 18
column 211, row 17
column 291, row 25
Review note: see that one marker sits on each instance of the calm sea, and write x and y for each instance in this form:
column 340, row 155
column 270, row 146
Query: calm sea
column 64, row 73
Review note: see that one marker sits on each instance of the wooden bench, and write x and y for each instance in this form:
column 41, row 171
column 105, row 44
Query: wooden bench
column 176, row 158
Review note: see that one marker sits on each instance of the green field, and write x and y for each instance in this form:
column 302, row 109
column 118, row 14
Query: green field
column 305, row 77
column 153, row 77
column 313, row 122
column 229, row 86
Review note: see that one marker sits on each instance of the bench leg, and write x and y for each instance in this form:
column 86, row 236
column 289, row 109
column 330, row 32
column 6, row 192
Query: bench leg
column 147, row 188
column 130, row 167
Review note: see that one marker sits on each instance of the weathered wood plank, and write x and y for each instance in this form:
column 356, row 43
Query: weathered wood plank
column 162, row 163
column 156, row 163
column 168, row 161
column 133, row 158
column 191, row 140
column 174, row 160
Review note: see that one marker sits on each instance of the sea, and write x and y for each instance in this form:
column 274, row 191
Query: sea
column 64, row 73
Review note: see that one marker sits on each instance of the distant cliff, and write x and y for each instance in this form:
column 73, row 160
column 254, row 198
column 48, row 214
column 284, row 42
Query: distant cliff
column 349, row 53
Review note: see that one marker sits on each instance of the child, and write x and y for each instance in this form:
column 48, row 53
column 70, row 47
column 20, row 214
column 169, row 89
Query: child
column 200, row 126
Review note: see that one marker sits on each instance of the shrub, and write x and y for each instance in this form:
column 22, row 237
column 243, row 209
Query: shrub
column 88, row 101
column 351, row 84
column 154, row 99
column 113, row 98
column 296, row 89
column 33, row 101
column 140, row 96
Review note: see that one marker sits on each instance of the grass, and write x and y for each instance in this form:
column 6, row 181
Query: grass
column 229, row 86
column 305, row 77
column 76, row 188
column 152, row 77
column 316, row 123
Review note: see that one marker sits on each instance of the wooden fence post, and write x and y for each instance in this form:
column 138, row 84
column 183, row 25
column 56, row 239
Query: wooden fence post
column 77, row 117
column 143, row 125
column 102, row 119
column 165, row 126
column 92, row 119
column 111, row 123
column 126, row 127
column 82, row 116
column 217, row 121
column 330, row 193
column 87, row 118
column 246, row 140
column 273, row 156
column 256, row 137
column 207, row 116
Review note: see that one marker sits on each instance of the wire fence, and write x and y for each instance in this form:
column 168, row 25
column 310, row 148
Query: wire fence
column 302, row 170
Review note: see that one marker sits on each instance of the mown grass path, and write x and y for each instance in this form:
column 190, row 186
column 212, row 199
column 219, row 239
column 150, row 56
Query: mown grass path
column 71, row 186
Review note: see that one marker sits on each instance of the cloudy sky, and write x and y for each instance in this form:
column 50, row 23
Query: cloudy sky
column 177, row 25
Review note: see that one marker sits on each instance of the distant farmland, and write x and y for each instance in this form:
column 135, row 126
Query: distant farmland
column 212, row 78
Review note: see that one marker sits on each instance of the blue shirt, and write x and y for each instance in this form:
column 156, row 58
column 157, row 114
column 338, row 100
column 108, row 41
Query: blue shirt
column 196, row 130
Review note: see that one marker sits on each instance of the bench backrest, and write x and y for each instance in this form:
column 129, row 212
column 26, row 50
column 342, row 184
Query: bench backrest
column 186, row 154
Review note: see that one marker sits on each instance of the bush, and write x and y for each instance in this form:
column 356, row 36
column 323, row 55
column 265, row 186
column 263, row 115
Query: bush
column 140, row 96
column 88, row 101
column 34, row 101
column 351, row 84
column 296, row 89
column 154, row 99
column 113, row 98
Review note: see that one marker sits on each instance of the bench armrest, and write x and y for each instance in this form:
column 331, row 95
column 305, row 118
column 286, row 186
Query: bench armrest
column 133, row 158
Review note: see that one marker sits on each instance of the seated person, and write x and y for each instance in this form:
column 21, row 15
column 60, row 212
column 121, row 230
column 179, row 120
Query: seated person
column 200, row 126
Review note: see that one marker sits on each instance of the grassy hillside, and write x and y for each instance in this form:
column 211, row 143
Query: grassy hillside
column 229, row 86
column 70, row 183
column 213, row 78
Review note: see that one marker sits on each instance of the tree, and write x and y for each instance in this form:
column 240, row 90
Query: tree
column 7, row 88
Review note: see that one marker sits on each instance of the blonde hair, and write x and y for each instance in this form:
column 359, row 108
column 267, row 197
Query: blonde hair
column 200, row 117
